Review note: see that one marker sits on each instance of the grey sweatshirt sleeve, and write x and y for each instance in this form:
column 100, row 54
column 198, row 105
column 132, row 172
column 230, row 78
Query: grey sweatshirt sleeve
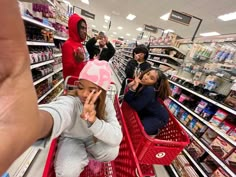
column 108, row 130
column 62, row 111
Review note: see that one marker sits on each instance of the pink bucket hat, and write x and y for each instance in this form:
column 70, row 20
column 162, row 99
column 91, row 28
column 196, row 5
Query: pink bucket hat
column 98, row 72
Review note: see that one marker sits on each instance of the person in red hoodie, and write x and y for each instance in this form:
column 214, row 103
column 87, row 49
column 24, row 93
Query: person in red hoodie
column 73, row 54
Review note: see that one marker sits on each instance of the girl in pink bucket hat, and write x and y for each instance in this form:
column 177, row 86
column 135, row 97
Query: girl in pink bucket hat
column 86, row 122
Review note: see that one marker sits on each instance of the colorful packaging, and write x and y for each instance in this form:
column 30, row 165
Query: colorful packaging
column 209, row 136
column 226, row 127
column 220, row 173
column 218, row 117
column 192, row 124
column 195, row 150
column 232, row 134
column 231, row 160
column 202, row 105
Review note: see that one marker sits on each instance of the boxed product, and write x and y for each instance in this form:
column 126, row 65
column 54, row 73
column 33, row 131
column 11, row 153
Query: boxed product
column 221, row 147
column 232, row 134
column 173, row 108
column 231, row 98
column 231, row 160
column 195, row 150
column 218, row 117
column 202, row 105
column 209, row 136
column 226, row 127
column 206, row 168
column 190, row 172
column 192, row 123
column 199, row 128
column 220, row 173
column 211, row 163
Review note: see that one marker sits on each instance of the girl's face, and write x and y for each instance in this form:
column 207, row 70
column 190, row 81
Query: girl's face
column 85, row 88
column 150, row 78
column 139, row 57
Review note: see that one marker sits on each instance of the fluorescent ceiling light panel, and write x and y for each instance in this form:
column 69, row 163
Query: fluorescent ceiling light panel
column 131, row 17
column 104, row 26
column 106, row 17
column 114, row 32
column 145, row 36
column 93, row 26
column 128, row 34
column 85, row 1
column 106, row 21
column 120, row 28
column 210, row 34
column 169, row 30
column 228, row 17
column 139, row 29
column 165, row 16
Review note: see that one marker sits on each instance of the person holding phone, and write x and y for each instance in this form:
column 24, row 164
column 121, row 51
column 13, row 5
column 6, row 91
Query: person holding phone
column 103, row 51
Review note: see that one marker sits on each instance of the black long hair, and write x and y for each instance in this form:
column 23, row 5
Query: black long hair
column 141, row 49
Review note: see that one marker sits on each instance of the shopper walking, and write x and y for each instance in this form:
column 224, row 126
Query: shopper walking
column 103, row 51
column 73, row 53
column 136, row 65
column 143, row 95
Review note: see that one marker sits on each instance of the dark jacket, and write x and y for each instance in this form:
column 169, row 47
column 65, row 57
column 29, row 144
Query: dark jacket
column 70, row 66
column 106, row 54
column 152, row 113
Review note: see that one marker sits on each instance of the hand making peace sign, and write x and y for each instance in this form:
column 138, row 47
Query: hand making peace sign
column 89, row 112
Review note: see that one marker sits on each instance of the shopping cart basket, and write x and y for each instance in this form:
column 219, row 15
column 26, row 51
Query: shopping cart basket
column 125, row 165
column 164, row 147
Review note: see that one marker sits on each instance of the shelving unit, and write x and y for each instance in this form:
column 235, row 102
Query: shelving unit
column 40, row 2
column 41, row 64
column 167, row 56
column 219, row 161
column 216, row 129
column 174, row 171
column 163, row 63
column 30, row 43
column 60, row 38
column 205, row 98
column 168, row 47
column 57, row 55
column 40, row 24
column 58, row 95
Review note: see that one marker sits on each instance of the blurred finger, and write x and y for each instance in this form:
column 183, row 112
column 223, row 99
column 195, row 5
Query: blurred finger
column 88, row 100
column 95, row 96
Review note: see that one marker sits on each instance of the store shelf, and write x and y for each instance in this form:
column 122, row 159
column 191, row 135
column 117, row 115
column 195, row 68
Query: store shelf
column 21, row 164
column 41, row 64
column 47, row 76
column 40, row 2
column 174, row 171
column 39, row 43
column 168, row 47
column 205, row 98
column 167, row 56
column 46, row 94
column 62, row 23
column 216, row 129
column 127, row 55
column 127, row 51
column 195, row 163
column 30, row 20
column 59, row 94
column 115, row 71
column 60, row 38
column 167, row 64
column 57, row 55
column 219, row 161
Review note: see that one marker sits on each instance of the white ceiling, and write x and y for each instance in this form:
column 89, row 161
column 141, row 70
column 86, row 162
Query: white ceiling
column 149, row 12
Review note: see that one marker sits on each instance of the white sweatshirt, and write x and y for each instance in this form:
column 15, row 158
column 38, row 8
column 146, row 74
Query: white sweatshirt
column 66, row 112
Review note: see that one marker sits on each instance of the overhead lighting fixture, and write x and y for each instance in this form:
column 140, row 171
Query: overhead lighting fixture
column 165, row 16
column 210, row 34
column 169, row 30
column 114, row 32
column 145, row 36
column 106, row 21
column 104, row 26
column 93, row 26
column 122, row 37
column 85, row 1
column 228, row 17
column 127, row 34
column 134, row 39
column 119, row 27
column 106, row 17
column 139, row 29
column 131, row 17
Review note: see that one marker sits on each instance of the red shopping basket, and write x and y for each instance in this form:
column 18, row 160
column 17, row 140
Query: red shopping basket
column 125, row 165
column 162, row 149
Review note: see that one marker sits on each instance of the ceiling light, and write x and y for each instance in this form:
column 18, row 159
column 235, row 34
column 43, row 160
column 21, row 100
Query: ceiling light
column 106, row 21
column 85, row 1
column 106, row 17
column 128, row 34
column 122, row 37
column 210, row 34
column 139, row 29
column 134, row 39
column 120, row 28
column 165, row 16
column 145, row 36
column 114, row 32
column 104, row 26
column 169, row 30
column 228, row 17
column 131, row 17
column 93, row 26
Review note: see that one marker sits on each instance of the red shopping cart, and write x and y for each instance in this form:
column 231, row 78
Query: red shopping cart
column 125, row 165
column 163, row 148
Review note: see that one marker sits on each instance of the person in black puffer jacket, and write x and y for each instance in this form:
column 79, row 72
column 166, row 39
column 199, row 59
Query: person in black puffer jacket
column 136, row 65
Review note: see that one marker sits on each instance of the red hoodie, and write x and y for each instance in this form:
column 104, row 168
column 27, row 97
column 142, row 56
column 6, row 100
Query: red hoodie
column 70, row 66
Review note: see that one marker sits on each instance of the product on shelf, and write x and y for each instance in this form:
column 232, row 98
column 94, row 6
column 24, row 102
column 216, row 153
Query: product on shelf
column 218, row 117
column 201, row 106
column 231, row 161
column 219, row 173
column 221, row 147
column 232, row 134
column 226, row 126
column 40, row 54
column 42, row 71
column 231, row 98
column 195, row 150
column 209, row 136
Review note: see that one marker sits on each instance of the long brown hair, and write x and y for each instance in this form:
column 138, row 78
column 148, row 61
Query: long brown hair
column 100, row 103
column 162, row 85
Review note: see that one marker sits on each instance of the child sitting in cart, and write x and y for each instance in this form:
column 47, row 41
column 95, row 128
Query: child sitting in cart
column 143, row 95
column 86, row 121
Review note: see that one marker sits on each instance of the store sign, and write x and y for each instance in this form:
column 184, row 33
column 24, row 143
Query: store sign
column 140, row 36
column 180, row 17
column 150, row 28
column 87, row 14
